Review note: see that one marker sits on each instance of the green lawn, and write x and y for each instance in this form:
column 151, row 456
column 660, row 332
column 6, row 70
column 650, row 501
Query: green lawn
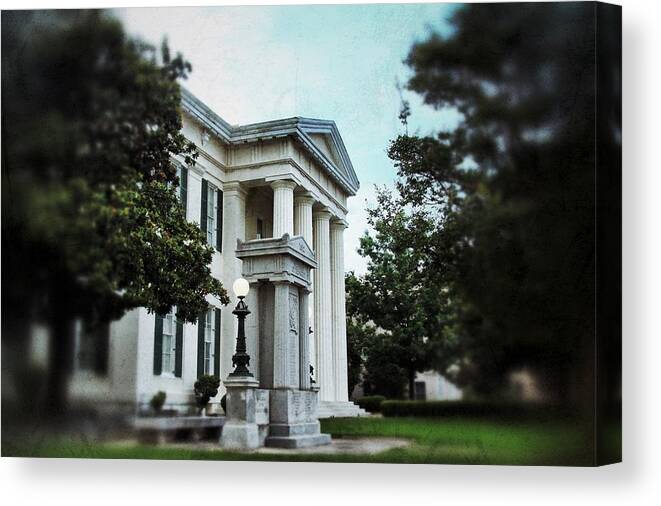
column 434, row 441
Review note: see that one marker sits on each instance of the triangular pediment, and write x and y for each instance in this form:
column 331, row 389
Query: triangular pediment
column 322, row 142
column 300, row 244
column 325, row 137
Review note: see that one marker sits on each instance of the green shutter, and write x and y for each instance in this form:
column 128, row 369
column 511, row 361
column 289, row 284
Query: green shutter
column 183, row 188
column 158, row 344
column 216, row 346
column 178, row 352
column 219, row 222
column 203, row 214
column 200, row 344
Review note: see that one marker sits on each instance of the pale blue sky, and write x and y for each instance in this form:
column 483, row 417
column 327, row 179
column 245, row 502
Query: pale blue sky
column 338, row 62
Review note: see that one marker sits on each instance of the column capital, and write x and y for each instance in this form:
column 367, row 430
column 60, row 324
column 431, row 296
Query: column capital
column 304, row 199
column 339, row 223
column 322, row 214
column 284, row 183
column 235, row 188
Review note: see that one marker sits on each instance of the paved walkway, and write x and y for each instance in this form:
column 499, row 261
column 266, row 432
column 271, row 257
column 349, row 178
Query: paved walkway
column 368, row 446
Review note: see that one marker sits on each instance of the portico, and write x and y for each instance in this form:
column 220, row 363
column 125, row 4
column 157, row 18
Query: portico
column 298, row 212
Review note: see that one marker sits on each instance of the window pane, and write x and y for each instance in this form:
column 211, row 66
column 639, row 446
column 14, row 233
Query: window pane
column 167, row 324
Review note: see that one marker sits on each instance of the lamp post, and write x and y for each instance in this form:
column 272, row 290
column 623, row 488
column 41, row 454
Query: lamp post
column 241, row 360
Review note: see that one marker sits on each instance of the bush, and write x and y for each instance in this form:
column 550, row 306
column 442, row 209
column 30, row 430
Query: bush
column 472, row 409
column 371, row 403
column 157, row 401
column 205, row 387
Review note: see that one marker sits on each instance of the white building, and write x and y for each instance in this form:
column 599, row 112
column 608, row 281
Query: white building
column 432, row 386
column 290, row 176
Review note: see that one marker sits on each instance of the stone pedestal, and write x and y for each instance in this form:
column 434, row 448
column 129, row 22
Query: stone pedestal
column 294, row 422
column 240, row 431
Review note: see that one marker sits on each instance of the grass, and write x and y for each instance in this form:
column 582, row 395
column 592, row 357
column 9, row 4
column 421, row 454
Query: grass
column 434, row 441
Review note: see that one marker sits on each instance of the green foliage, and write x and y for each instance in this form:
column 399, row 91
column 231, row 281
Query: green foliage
column 371, row 403
column 205, row 388
column 511, row 190
column 400, row 312
column 91, row 122
column 157, row 401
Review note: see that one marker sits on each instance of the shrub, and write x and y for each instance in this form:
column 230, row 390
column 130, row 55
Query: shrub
column 472, row 409
column 205, row 388
column 223, row 403
column 157, row 401
column 371, row 403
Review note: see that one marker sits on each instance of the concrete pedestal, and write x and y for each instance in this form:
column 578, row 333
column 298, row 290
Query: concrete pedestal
column 240, row 431
column 294, row 422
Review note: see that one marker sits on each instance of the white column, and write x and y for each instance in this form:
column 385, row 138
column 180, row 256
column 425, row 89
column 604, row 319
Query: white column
column 283, row 207
column 303, row 227
column 339, row 309
column 234, row 227
column 303, row 216
column 323, row 331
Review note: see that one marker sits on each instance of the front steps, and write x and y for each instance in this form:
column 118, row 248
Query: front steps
column 339, row 409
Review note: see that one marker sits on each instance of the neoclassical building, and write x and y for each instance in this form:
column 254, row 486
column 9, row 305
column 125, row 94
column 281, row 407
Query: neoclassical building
column 286, row 179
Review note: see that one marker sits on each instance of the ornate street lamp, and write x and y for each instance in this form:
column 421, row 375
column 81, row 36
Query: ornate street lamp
column 241, row 360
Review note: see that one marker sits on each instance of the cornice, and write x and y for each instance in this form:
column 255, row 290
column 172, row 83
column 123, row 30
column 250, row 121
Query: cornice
column 297, row 127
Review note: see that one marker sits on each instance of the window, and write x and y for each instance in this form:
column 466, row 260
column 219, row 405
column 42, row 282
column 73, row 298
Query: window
column 420, row 390
column 212, row 212
column 168, row 344
column 209, row 338
column 260, row 228
column 208, row 342
column 211, row 215
column 91, row 342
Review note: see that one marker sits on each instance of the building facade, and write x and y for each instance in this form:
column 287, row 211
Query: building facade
column 250, row 182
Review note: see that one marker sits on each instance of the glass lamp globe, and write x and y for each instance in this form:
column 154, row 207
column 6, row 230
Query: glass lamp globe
column 241, row 287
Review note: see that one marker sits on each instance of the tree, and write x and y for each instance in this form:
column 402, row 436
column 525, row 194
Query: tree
column 91, row 221
column 400, row 307
column 517, row 178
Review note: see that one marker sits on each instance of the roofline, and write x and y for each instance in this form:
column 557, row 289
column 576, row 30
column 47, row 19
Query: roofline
column 296, row 127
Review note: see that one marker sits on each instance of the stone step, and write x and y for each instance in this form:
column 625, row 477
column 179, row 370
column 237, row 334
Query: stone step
column 298, row 441
column 340, row 410
column 296, row 429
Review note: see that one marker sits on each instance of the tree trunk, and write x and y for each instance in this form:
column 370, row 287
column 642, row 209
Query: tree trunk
column 412, row 384
column 60, row 353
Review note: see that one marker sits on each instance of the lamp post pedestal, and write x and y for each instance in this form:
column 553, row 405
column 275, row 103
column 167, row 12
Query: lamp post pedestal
column 240, row 430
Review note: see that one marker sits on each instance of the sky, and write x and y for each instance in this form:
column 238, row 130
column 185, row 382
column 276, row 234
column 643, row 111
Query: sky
column 339, row 62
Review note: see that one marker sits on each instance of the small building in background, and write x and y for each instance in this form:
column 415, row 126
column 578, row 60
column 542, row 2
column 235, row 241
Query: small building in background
column 433, row 386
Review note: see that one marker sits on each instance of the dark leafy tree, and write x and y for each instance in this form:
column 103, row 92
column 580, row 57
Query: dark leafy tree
column 91, row 222
column 400, row 308
column 359, row 333
column 516, row 182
